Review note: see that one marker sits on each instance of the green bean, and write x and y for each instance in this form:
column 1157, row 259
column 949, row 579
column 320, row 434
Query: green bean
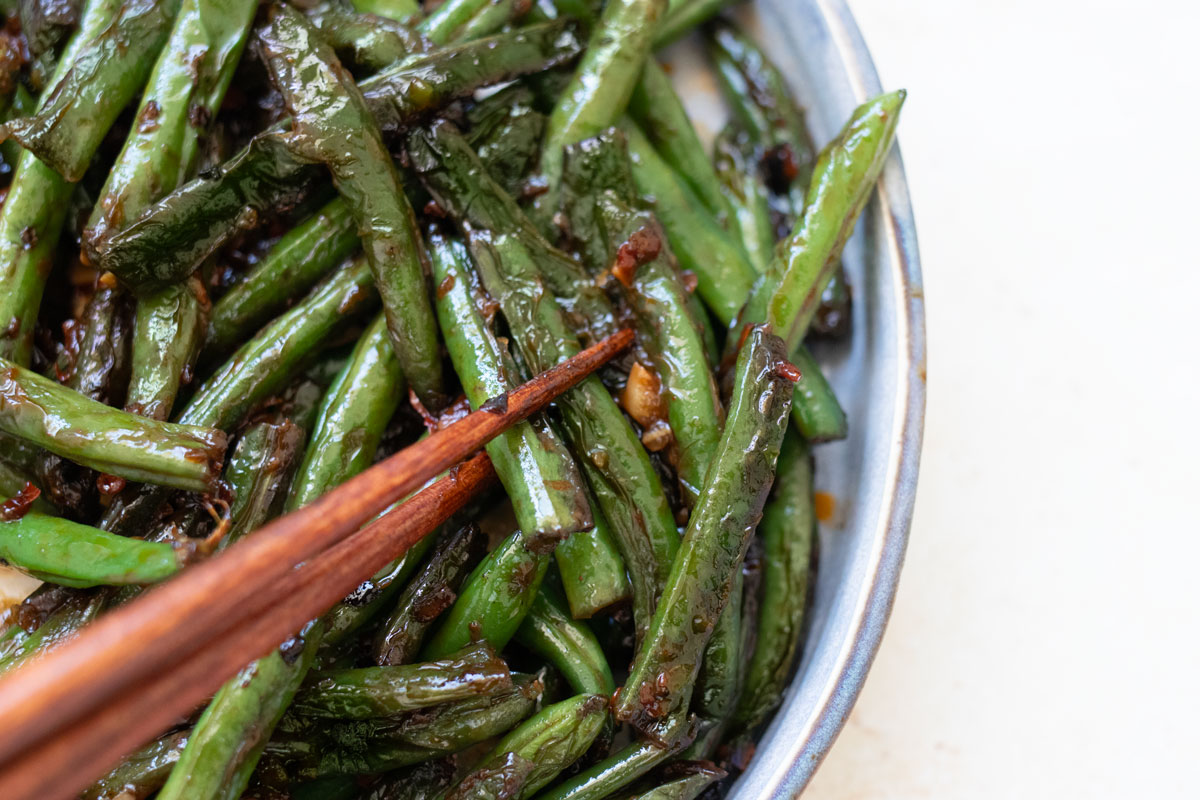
column 494, row 599
column 550, row 632
column 367, row 746
column 627, row 490
column 535, row 753
column 33, row 214
column 742, row 186
column 387, row 691
column 175, row 236
column 229, row 737
column 724, row 273
column 467, row 192
column 140, row 774
column 63, row 624
column 604, row 80
column 353, row 414
column 788, row 532
column 167, row 333
column 44, row 24
column 681, row 781
column 429, row 594
column 13, row 481
column 291, row 267
column 99, row 366
column 331, row 124
column 815, row 408
column 766, row 109
column 369, row 41
column 660, row 113
column 51, row 416
column 260, row 473
column 684, row 16
column 183, row 92
column 719, row 682
column 389, row 9
column 268, row 362
column 591, row 568
column 106, row 73
column 71, row 554
column 622, row 768
column 623, row 481
column 463, row 20
column 719, row 530
column 427, row 781
column 21, row 103
column 543, row 482
column 667, row 330
column 844, row 176
column 506, row 131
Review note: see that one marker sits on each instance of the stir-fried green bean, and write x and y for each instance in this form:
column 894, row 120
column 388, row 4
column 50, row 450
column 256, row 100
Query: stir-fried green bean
column 294, row 263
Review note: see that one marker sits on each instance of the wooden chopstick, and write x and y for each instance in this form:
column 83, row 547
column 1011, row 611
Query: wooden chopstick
column 133, row 644
column 63, row 765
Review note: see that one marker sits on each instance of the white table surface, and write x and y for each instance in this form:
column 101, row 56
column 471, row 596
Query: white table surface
column 1044, row 640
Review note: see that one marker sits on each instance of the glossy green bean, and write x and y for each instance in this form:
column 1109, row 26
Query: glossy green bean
column 141, row 773
column 723, row 272
column 229, row 737
column 603, row 82
column 167, row 333
column 843, row 179
column 622, row 768
column 427, row 781
column 352, row 416
column 535, row 753
column 494, row 599
column 815, row 408
column 33, row 214
column 549, row 631
column 390, row 9
column 368, row 746
column 431, row 592
column 70, row 554
column 67, row 424
column 719, row 682
column 291, row 267
column 738, row 173
column 100, row 363
column 332, row 124
column 547, row 492
column 260, row 473
column 624, row 483
column 105, row 74
column 387, row 691
column 21, row 103
column 369, row 41
column 788, row 532
column 667, row 329
column 506, row 131
column 466, row 191
column 659, row 112
column 664, row 672
column 680, row 781
column 175, row 236
column 63, row 624
column 265, row 365
column 685, row 16
column 463, row 20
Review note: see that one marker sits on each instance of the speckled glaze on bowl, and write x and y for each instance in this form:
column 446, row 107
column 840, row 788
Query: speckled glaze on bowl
column 880, row 376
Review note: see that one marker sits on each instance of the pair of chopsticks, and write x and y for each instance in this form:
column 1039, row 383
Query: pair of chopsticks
column 68, row 716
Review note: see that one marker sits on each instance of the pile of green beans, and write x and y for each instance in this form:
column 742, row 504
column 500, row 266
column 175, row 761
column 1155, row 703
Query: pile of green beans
column 248, row 249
